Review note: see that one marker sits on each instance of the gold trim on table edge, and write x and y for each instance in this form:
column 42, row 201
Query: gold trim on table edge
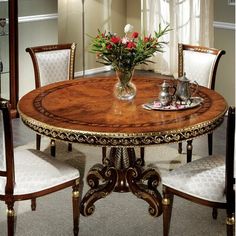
column 122, row 139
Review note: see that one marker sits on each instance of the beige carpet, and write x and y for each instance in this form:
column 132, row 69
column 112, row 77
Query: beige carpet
column 119, row 214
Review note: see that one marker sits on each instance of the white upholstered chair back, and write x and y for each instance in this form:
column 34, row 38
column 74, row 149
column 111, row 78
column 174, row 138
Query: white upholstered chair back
column 199, row 63
column 52, row 63
column 198, row 67
column 53, row 66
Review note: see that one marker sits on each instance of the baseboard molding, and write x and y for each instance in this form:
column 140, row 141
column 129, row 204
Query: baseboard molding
column 93, row 71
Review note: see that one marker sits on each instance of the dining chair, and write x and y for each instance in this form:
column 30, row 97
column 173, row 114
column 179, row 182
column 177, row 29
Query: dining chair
column 52, row 63
column 26, row 174
column 200, row 65
column 208, row 181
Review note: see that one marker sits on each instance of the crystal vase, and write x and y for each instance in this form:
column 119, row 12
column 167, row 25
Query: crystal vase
column 124, row 88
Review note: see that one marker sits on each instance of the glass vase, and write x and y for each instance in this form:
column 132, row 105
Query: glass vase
column 124, row 88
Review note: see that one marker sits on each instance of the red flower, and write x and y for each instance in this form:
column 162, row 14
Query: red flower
column 115, row 39
column 146, row 39
column 131, row 45
column 109, row 46
column 135, row 35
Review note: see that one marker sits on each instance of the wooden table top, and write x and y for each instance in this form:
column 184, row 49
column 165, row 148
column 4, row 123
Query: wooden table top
column 85, row 111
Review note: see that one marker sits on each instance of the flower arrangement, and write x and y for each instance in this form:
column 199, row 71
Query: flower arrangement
column 124, row 53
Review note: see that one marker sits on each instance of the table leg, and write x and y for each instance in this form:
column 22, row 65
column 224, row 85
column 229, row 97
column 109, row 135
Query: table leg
column 102, row 181
column 136, row 178
column 121, row 172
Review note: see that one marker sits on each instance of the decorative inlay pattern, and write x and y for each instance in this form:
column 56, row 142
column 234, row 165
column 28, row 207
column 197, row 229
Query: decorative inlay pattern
column 40, row 108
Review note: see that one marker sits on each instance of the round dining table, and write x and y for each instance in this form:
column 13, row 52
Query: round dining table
column 85, row 111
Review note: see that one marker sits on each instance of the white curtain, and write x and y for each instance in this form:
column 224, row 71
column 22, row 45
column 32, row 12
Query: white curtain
column 191, row 22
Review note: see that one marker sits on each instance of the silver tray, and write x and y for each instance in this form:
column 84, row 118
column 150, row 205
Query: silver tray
column 178, row 105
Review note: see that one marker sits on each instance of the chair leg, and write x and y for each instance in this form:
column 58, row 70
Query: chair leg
column 214, row 213
column 76, row 210
column 69, row 147
column 142, row 156
column 33, row 204
column 38, row 141
column 189, row 150
column 53, row 147
column 180, row 147
column 230, row 224
column 104, row 154
column 210, row 143
column 167, row 203
column 10, row 219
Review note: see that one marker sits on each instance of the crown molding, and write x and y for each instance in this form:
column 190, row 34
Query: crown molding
column 24, row 19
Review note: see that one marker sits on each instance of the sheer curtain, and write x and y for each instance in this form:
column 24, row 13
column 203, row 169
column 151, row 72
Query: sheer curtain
column 191, row 22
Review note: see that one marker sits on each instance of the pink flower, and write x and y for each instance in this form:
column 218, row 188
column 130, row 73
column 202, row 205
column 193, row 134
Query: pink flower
column 135, row 35
column 124, row 40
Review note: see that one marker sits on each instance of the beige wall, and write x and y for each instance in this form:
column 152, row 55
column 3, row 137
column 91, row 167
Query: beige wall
column 106, row 15
column 223, row 11
column 103, row 15
column 34, row 33
column 70, row 26
column 36, row 7
column 100, row 14
column 134, row 14
column 41, row 33
column 225, row 39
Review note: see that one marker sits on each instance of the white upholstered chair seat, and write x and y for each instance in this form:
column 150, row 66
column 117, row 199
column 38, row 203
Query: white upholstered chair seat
column 36, row 171
column 29, row 174
column 203, row 178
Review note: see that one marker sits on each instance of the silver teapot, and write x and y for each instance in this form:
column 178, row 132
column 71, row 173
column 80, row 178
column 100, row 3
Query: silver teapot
column 165, row 97
column 183, row 89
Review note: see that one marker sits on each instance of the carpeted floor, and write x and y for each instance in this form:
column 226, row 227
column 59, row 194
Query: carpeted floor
column 119, row 214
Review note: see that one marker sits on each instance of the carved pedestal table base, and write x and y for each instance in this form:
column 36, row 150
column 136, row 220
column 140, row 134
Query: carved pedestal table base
column 122, row 172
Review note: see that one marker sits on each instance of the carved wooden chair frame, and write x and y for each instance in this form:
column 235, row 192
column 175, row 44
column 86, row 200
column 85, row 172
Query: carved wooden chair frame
column 49, row 48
